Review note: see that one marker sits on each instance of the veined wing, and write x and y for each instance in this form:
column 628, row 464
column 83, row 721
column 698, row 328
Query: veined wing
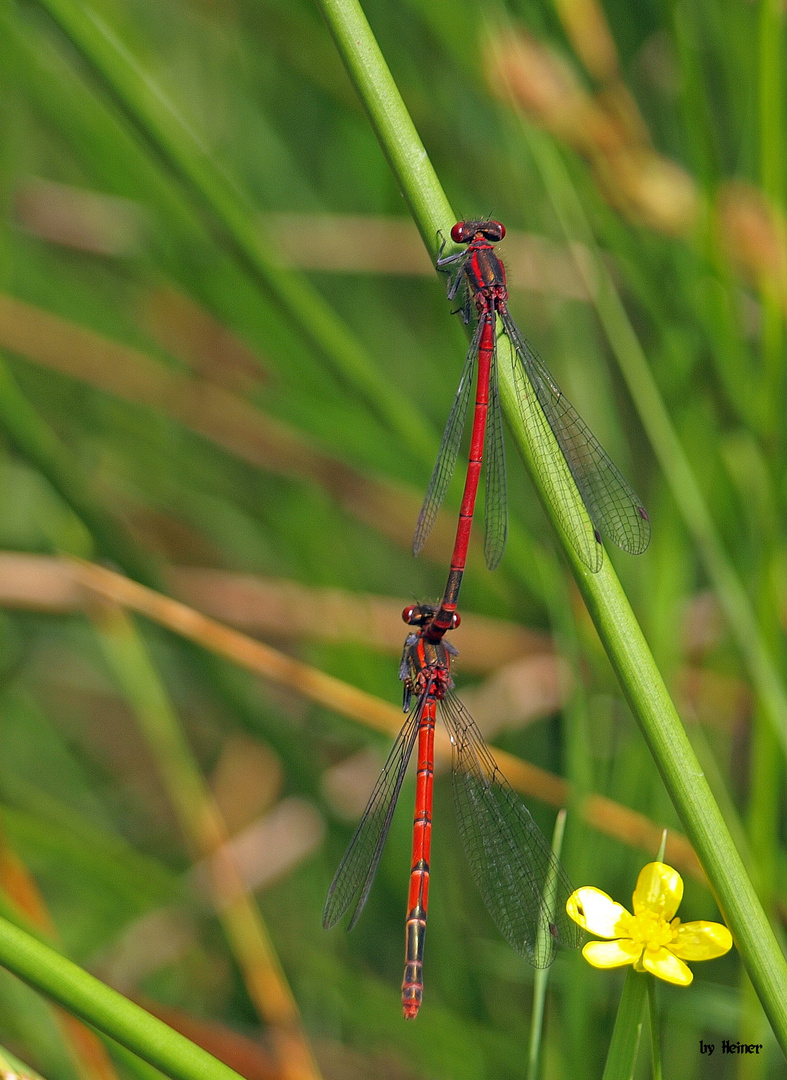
column 523, row 884
column 449, row 448
column 353, row 879
column 495, row 498
column 613, row 506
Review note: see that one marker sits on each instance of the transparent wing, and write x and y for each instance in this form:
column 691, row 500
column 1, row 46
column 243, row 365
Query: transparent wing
column 449, row 448
column 523, row 885
column 613, row 506
column 495, row 504
column 353, row 879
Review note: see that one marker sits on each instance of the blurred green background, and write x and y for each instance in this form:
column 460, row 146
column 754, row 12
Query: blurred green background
column 166, row 410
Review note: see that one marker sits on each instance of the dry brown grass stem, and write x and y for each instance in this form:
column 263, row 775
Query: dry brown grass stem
column 213, row 412
column 609, row 817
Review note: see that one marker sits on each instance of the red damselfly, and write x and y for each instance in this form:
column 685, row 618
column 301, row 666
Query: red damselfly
column 521, row 881
column 613, row 507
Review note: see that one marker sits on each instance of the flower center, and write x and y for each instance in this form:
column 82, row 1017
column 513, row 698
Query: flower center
column 651, row 930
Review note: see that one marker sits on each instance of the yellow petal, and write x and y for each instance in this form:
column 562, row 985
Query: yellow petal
column 664, row 965
column 659, row 890
column 611, row 954
column 598, row 913
column 701, row 940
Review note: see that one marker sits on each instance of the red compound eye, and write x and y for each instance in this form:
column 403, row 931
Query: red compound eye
column 464, row 231
column 493, row 230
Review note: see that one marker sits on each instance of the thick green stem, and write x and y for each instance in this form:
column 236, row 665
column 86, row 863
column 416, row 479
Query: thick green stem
column 390, row 119
column 107, row 1010
column 655, row 1028
column 685, row 781
column 622, row 1053
column 606, row 602
column 665, row 443
column 542, row 975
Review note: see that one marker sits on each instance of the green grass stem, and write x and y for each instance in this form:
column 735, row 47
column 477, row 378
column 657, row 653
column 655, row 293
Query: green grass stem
column 105, row 1009
column 665, row 735
column 541, row 980
column 11, row 1065
column 665, row 443
column 623, row 1047
column 654, row 1015
column 606, row 602
column 38, row 443
column 390, row 119
column 201, row 824
column 771, row 124
column 227, row 210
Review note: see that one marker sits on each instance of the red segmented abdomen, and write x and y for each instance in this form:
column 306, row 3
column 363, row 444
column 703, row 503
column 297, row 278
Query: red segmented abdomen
column 443, row 619
column 418, row 898
column 485, row 349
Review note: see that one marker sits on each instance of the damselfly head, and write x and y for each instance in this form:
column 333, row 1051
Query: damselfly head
column 422, row 614
column 464, row 231
column 418, row 614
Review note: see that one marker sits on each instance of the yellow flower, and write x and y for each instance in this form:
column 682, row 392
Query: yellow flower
column 651, row 939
